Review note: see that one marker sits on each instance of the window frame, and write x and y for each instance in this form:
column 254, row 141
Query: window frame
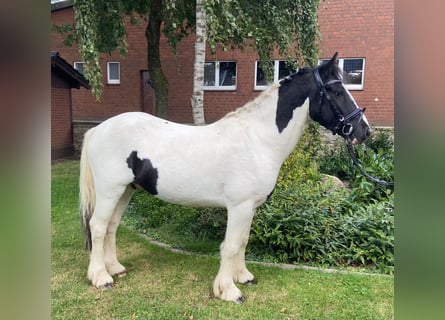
column 217, row 86
column 276, row 73
column 113, row 81
column 76, row 64
column 349, row 86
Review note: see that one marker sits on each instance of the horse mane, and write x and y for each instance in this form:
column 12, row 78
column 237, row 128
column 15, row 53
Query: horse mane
column 291, row 77
column 252, row 104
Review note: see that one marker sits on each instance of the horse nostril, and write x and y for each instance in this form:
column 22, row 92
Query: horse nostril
column 368, row 132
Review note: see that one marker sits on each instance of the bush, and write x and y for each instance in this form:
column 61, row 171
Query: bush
column 150, row 215
column 307, row 221
column 376, row 157
column 313, row 224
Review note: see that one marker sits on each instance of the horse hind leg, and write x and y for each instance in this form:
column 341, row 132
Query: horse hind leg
column 103, row 212
column 111, row 263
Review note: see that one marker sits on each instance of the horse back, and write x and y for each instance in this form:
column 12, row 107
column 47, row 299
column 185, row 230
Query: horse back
column 189, row 165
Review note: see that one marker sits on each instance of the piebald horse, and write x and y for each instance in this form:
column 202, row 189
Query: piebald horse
column 232, row 163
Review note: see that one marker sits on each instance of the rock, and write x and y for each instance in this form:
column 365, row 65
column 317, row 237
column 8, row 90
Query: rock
column 334, row 181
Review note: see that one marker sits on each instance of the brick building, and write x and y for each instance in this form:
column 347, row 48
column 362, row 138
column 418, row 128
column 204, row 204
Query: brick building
column 63, row 78
column 361, row 31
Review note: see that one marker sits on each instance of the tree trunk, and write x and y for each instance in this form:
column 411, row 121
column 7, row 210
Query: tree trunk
column 197, row 100
column 158, row 79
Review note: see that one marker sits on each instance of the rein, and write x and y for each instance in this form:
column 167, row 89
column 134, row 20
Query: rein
column 357, row 164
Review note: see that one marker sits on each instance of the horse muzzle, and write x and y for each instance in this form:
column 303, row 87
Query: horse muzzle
column 361, row 133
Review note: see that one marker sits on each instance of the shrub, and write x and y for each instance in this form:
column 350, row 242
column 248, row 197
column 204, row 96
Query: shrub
column 313, row 224
column 210, row 223
column 376, row 157
column 147, row 213
column 307, row 221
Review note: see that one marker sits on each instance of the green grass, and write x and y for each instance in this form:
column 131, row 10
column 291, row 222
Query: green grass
column 164, row 285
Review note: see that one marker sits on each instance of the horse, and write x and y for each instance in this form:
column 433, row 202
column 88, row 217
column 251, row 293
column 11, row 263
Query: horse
column 231, row 163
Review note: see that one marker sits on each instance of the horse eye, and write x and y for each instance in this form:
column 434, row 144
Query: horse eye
column 338, row 93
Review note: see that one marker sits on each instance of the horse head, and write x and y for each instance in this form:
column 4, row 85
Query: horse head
column 333, row 106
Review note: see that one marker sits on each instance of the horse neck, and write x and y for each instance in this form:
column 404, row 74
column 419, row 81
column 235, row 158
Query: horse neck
column 259, row 120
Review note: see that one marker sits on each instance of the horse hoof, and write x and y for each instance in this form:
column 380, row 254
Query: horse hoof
column 106, row 286
column 122, row 274
column 240, row 300
column 252, row 282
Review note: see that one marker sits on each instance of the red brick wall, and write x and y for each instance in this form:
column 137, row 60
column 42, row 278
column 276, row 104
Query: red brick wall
column 354, row 28
column 115, row 98
column 179, row 71
column 364, row 29
column 61, row 122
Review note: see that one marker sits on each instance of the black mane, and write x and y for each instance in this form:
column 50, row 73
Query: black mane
column 293, row 75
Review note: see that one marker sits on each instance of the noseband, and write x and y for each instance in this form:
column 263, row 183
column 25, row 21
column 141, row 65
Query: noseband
column 343, row 126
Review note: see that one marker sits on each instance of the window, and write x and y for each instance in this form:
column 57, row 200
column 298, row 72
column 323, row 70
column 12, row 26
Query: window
column 113, row 73
column 353, row 72
column 79, row 66
column 220, row 75
column 281, row 70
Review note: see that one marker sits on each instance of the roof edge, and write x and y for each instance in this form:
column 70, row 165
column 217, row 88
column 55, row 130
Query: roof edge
column 77, row 79
column 61, row 5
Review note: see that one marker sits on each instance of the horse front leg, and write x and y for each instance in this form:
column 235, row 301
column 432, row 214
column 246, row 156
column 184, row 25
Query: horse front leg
column 232, row 268
column 242, row 275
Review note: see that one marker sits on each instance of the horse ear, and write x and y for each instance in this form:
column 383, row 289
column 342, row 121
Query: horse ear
column 333, row 61
column 327, row 68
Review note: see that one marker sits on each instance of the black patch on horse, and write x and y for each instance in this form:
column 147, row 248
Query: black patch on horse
column 291, row 94
column 145, row 174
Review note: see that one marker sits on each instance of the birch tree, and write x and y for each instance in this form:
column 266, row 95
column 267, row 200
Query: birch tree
column 197, row 99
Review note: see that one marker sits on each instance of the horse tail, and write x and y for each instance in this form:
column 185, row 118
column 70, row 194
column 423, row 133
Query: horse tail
column 87, row 195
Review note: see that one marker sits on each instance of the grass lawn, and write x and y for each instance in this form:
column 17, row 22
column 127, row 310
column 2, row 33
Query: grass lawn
column 164, row 285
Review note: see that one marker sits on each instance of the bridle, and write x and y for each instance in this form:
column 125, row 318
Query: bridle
column 344, row 125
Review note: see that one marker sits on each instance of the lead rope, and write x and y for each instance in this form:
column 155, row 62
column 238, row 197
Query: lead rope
column 357, row 164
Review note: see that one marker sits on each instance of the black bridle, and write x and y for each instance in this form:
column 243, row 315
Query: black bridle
column 344, row 125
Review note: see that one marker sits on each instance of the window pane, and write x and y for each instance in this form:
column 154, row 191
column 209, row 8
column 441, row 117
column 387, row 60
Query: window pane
column 227, row 73
column 209, row 74
column 79, row 67
column 260, row 76
column 284, row 69
column 352, row 71
column 113, row 70
column 352, row 64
